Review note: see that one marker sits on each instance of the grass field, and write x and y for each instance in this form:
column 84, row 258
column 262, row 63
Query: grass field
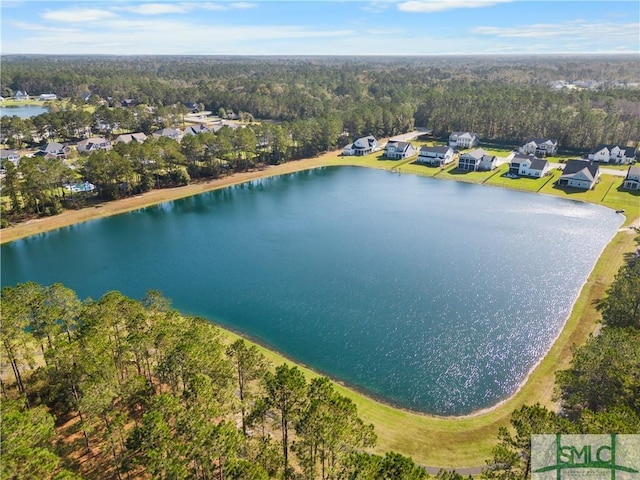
column 432, row 441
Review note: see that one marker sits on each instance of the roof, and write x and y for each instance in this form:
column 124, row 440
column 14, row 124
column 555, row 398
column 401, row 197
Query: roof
column 478, row 153
column 399, row 145
column 518, row 157
column 628, row 151
column 52, row 147
column 633, row 170
column 195, row 129
column 167, row 132
column 539, row 140
column 8, row 153
column 459, row 134
column 538, row 164
column 572, row 167
column 424, row 148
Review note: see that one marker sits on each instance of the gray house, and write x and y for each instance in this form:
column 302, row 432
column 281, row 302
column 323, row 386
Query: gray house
column 138, row 137
column 9, row 155
column 477, row 159
column 436, row 156
column 579, row 174
column 196, row 129
column 53, row 150
column 399, row 150
column 632, row 180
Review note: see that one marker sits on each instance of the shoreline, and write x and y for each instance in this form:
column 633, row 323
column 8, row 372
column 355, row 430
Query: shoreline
column 453, row 441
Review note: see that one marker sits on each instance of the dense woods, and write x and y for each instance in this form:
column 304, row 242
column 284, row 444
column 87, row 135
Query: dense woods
column 133, row 389
column 292, row 108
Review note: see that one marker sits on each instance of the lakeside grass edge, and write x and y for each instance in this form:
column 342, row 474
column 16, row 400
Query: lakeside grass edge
column 448, row 442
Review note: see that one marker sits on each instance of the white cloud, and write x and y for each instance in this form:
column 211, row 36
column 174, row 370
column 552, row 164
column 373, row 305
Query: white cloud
column 571, row 30
column 155, row 8
column 243, row 5
column 430, row 6
column 78, row 15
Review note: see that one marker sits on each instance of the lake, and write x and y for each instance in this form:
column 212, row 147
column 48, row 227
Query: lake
column 23, row 111
column 432, row 295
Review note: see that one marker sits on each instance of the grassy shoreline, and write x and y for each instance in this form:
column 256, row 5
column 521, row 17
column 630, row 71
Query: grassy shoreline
column 431, row 440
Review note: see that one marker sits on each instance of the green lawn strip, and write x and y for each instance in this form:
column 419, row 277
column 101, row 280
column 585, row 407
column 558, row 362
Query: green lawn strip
column 420, row 169
column 467, row 441
column 10, row 102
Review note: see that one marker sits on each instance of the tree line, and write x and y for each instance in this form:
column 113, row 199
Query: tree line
column 119, row 388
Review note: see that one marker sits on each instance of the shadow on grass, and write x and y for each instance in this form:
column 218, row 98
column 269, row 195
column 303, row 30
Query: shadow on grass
column 569, row 190
column 634, row 193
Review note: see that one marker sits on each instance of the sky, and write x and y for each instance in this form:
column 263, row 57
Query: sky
column 319, row 27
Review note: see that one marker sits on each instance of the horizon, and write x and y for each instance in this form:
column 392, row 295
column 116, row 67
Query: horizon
column 321, row 28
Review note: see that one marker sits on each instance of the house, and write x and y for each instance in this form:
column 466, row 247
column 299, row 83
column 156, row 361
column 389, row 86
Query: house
column 131, row 137
column 53, row 150
column 539, row 146
column 172, row 133
column 20, row 95
column 85, row 96
column 129, row 102
column 193, row 107
column 437, row 156
column 520, row 163
column 613, row 154
column 463, row 140
column 528, row 166
column 93, row 144
column 362, row 146
column 579, row 174
column 9, row 155
column 46, row 97
column 632, row 180
column 477, row 159
column 399, row 150
column 196, row 129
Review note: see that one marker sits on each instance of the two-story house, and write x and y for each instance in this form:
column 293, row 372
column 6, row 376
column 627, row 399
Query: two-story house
column 437, row 156
column 477, row 159
column 613, row 154
column 632, row 180
column 362, row 146
column 463, row 140
column 172, row 133
column 541, row 147
column 399, row 150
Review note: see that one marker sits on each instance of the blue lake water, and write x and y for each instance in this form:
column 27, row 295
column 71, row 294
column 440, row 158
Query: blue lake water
column 432, row 295
column 23, row 111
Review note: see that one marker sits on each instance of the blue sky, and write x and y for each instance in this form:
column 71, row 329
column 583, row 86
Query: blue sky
column 380, row 27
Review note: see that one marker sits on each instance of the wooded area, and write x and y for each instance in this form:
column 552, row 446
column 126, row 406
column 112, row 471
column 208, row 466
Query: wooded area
column 293, row 108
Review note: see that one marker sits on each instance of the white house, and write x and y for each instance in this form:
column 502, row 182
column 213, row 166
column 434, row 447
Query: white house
column 477, row 159
column 131, row 137
column 539, row 146
column 21, row 95
column 399, row 150
column 613, row 154
column 9, row 155
column 579, row 174
column 520, row 163
column 362, row 146
column 45, row 97
column 93, row 144
column 463, row 140
column 632, row 180
column 438, row 156
column 537, row 168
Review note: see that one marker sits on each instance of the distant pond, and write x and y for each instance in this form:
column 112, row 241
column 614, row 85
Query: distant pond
column 432, row 295
column 23, row 111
